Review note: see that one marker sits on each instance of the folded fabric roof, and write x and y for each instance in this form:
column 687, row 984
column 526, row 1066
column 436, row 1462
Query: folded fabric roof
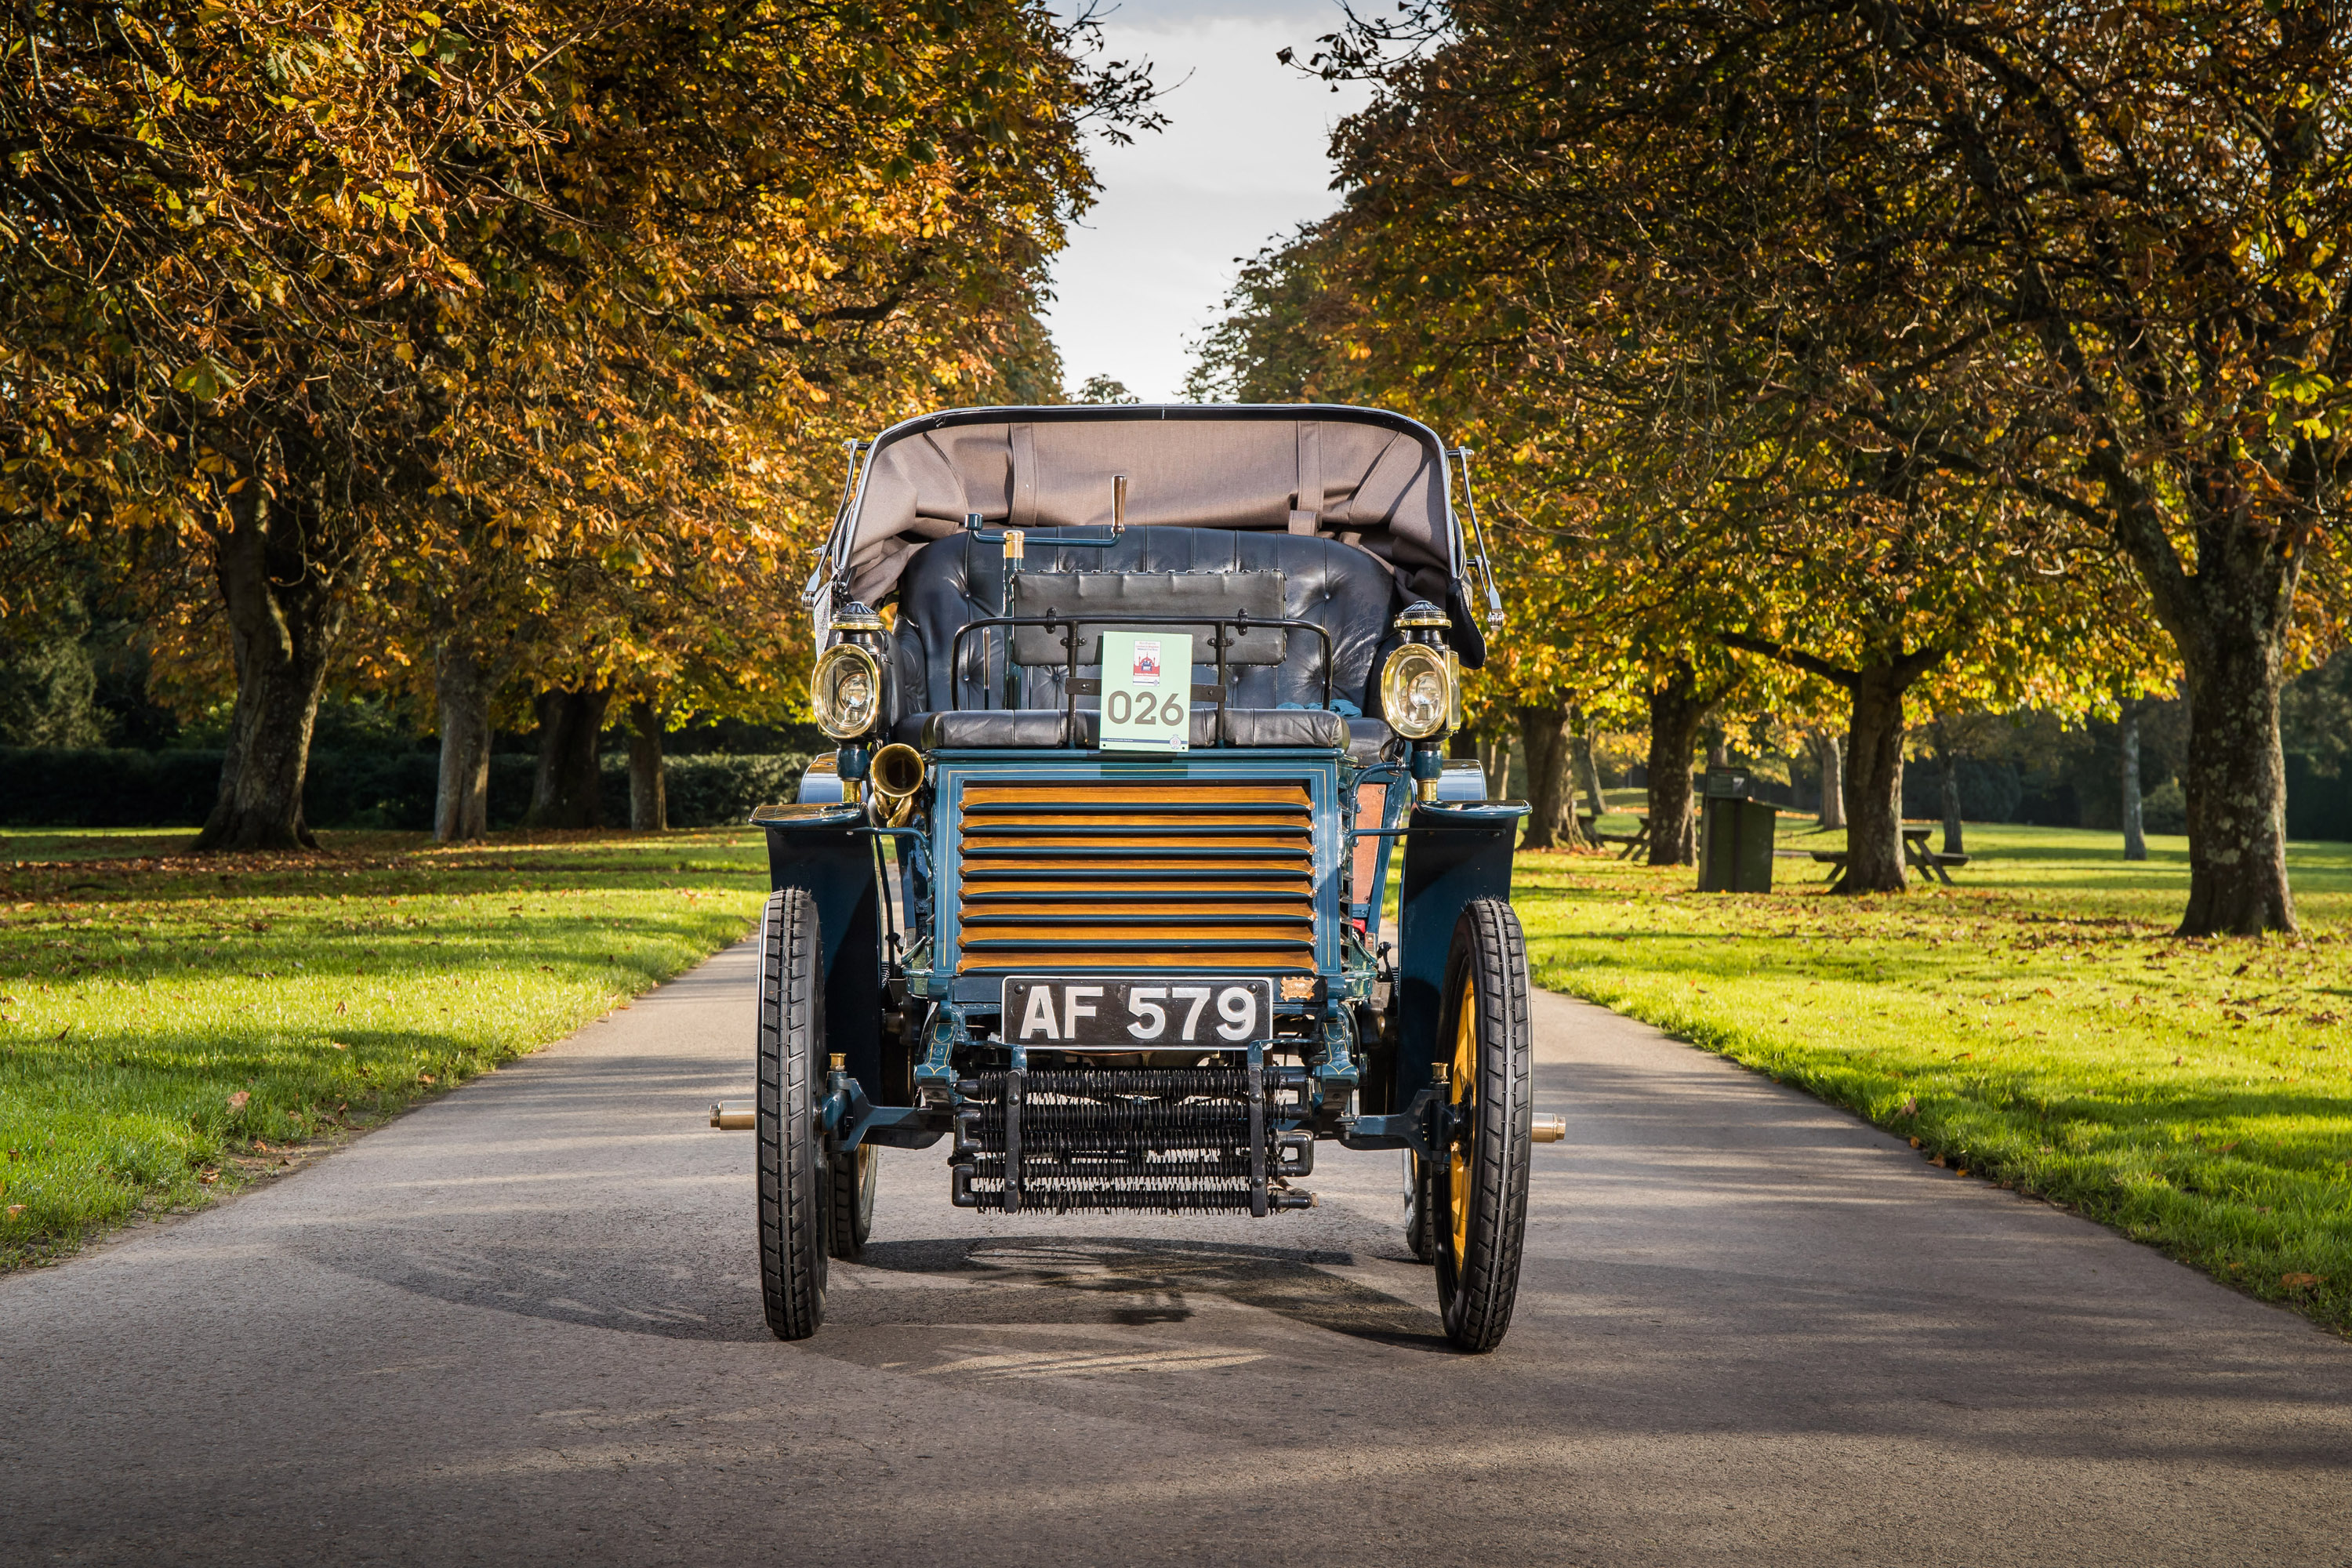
column 1371, row 478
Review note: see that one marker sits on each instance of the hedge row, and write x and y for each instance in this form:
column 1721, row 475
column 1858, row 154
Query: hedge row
column 44, row 789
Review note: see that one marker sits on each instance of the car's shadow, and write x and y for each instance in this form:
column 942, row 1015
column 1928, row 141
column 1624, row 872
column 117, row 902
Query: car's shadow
column 1047, row 1278
column 1040, row 1279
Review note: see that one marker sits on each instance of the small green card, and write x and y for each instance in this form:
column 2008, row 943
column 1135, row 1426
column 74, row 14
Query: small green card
column 1147, row 691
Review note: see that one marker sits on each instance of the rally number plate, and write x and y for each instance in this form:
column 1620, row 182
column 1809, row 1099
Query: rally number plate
column 1138, row 1015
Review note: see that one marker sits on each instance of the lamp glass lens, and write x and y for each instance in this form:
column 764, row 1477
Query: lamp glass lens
column 845, row 691
column 1415, row 694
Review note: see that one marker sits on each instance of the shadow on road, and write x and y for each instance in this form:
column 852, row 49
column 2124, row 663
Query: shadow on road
column 1033, row 1280
column 1101, row 1280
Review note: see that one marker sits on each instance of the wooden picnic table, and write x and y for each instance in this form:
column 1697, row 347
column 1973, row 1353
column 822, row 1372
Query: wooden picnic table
column 1928, row 863
column 1634, row 842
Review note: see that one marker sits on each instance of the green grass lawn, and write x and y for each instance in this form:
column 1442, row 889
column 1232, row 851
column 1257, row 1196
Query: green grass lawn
column 172, row 1027
column 2037, row 1023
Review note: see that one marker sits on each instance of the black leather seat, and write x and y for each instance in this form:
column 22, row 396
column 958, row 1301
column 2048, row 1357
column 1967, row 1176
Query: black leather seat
column 950, row 583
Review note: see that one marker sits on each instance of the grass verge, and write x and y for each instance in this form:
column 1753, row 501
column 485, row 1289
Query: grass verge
column 172, row 1027
column 2037, row 1024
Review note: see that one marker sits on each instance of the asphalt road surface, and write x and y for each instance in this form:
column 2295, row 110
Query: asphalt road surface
column 522, row 1325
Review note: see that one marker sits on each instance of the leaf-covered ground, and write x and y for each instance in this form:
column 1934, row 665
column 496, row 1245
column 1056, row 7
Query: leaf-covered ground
column 172, row 1028
column 2038, row 1024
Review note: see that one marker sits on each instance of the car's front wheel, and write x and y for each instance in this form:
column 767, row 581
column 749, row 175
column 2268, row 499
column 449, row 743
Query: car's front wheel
column 851, row 1179
column 792, row 1156
column 1477, row 1184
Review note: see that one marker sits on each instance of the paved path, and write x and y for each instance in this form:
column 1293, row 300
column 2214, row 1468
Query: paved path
column 520, row 1325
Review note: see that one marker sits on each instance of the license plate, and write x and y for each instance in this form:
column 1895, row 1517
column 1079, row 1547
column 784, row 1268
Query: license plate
column 1138, row 1015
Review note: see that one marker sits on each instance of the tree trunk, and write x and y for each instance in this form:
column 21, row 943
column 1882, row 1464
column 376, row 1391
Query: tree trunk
column 1873, row 783
column 1543, row 733
column 1588, row 772
column 2134, row 829
column 461, row 802
column 648, row 803
column 1495, row 757
column 1829, row 747
column 1948, row 779
column 1677, row 709
column 565, row 791
column 2235, row 779
column 284, row 610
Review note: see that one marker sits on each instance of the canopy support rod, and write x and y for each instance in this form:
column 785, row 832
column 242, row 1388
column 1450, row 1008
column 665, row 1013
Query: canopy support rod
column 1478, row 535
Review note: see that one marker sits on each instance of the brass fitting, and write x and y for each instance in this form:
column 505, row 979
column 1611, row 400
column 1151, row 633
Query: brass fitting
column 735, row 1115
column 895, row 773
column 1547, row 1129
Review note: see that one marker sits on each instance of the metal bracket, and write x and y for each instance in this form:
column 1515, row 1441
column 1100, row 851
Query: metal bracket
column 974, row 526
column 849, row 1116
column 1256, row 1132
column 1014, row 1083
column 1414, row 1127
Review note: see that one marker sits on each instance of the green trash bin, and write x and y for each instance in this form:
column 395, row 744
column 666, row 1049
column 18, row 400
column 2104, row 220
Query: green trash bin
column 1735, row 834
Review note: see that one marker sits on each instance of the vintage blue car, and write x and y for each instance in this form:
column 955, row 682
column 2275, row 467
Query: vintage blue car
column 1137, row 707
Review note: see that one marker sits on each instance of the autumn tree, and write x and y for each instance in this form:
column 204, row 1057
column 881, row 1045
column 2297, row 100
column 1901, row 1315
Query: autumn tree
column 504, row 292
column 2121, row 231
column 218, row 220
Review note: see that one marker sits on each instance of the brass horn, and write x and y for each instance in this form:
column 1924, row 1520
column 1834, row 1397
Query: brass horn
column 895, row 773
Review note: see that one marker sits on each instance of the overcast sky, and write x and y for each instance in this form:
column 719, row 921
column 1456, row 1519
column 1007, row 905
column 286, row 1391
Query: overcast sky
column 1242, row 161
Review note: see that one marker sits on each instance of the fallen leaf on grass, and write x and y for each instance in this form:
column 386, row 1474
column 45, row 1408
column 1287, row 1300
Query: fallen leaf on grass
column 236, row 1101
column 16, row 1209
column 341, row 1008
column 1935, row 1159
column 424, row 1078
column 2298, row 1281
column 206, row 1178
column 1914, row 1143
column 1910, row 1108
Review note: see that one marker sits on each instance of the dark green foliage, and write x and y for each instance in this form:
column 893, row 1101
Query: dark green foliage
column 708, row 791
column 106, row 788
column 352, row 789
column 2315, row 715
column 47, row 693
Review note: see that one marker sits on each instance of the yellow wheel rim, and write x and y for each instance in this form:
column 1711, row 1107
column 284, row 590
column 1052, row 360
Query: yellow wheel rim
column 1464, row 1094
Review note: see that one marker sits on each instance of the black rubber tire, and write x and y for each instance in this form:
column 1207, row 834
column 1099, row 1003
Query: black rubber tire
column 850, row 1181
column 1419, row 1235
column 1480, row 1204
column 791, row 1156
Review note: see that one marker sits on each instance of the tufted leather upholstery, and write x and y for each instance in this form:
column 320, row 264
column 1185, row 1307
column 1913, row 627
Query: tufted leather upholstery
column 950, row 583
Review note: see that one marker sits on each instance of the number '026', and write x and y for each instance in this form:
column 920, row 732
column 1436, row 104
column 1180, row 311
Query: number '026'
column 1145, row 708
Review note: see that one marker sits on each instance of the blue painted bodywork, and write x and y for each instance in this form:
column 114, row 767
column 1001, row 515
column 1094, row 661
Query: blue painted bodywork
column 828, row 850
column 1453, row 852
